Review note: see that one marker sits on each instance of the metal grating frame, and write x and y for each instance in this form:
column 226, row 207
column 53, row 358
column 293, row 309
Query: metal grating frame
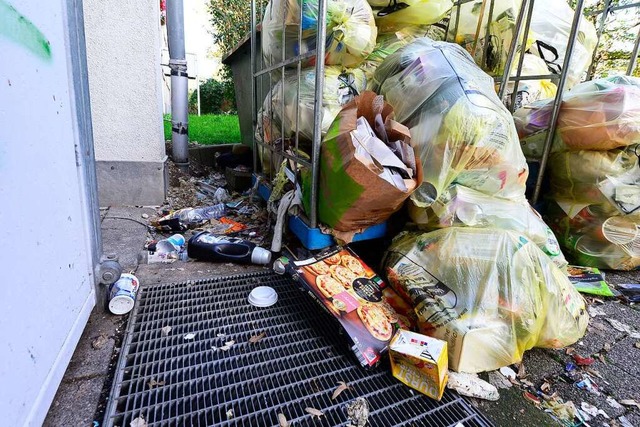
column 296, row 365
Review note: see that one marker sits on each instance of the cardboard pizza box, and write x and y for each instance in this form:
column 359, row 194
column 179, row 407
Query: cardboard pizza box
column 420, row 362
column 367, row 309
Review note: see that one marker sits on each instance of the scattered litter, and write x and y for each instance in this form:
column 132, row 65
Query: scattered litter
column 99, row 342
column 606, row 347
column 358, row 413
column 498, row 380
column 624, row 422
column 256, row 338
column 227, row 345
column 634, row 335
column 282, row 420
column 153, row 383
column 595, row 311
column 570, row 367
column 592, row 410
column 230, row 414
column 221, row 335
column 589, row 280
column 569, row 350
column 138, row 422
column 314, row 412
column 565, row 411
column 589, row 385
column 145, row 216
column 189, row 336
column 619, row 326
column 545, row 387
column 165, row 331
column 583, row 361
column 471, row 385
column 508, row 372
column 341, row 387
column 613, row 403
column 637, row 344
column 531, row 398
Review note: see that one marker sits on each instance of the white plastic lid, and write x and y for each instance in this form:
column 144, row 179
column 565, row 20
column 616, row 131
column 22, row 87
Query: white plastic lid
column 260, row 256
column 122, row 304
column 263, row 296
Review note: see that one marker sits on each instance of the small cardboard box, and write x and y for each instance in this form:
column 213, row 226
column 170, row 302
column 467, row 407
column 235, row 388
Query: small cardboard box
column 420, row 362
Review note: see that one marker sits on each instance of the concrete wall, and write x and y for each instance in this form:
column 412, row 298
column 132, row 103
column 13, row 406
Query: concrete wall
column 123, row 55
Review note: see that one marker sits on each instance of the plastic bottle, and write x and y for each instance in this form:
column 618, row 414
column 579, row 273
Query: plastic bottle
column 208, row 247
column 194, row 216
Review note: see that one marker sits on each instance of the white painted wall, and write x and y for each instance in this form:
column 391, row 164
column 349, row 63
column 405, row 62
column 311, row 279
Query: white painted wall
column 46, row 291
column 123, row 54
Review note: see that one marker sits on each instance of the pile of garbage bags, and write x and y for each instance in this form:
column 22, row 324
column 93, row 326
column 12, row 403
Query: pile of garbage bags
column 593, row 170
column 484, row 271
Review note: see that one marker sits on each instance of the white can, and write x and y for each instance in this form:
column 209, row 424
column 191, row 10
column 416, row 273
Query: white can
column 122, row 295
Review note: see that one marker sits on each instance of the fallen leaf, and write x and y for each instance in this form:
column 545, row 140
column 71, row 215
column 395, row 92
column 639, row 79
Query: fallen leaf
column 637, row 344
column 230, row 414
column 583, row 361
column 256, row 338
column 282, row 421
column 602, row 359
column 593, row 372
column 313, row 411
column 153, row 383
column 545, row 386
column 165, row 331
column 189, row 336
column 521, row 371
column 619, row 326
column 629, row 402
column 138, row 422
column 341, row 387
column 99, row 342
column 569, row 350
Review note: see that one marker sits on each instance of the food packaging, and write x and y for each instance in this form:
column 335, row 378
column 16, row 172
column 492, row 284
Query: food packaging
column 419, row 362
column 366, row 308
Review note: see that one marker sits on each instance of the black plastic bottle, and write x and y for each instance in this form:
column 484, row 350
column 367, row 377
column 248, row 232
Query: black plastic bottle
column 208, row 247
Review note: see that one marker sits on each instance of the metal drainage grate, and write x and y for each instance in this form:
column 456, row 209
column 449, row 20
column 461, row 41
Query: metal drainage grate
column 296, row 365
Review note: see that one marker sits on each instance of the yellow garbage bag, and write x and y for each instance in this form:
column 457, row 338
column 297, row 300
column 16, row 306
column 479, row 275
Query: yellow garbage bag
column 491, row 294
column 394, row 15
column 351, row 31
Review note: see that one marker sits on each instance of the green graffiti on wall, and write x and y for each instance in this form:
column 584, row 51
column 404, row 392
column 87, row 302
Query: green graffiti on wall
column 15, row 27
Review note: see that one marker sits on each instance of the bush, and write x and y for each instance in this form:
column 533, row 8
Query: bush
column 211, row 97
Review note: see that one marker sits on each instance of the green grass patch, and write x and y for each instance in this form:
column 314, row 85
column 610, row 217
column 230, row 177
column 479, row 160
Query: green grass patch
column 209, row 129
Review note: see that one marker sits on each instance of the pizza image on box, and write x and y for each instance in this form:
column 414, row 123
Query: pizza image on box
column 376, row 321
column 343, row 275
column 354, row 265
column 328, row 285
column 320, row 268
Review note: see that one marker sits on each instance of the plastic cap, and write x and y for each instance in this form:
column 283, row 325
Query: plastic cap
column 176, row 240
column 263, row 296
column 121, row 304
column 260, row 256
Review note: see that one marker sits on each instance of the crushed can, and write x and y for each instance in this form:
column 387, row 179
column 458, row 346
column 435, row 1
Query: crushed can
column 122, row 294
